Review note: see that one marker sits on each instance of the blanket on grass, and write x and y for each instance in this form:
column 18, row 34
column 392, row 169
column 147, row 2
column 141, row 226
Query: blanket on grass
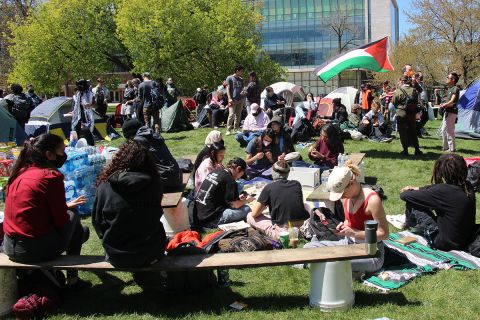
column 422, row 260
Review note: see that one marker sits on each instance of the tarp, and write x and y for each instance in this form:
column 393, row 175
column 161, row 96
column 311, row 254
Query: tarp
column 174, row 118
column 9, row 128
column 347, row 94
column 49, row 116
column 468, row 124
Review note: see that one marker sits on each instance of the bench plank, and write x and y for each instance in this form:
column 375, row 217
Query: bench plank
column 171, row 200
column 235, row 260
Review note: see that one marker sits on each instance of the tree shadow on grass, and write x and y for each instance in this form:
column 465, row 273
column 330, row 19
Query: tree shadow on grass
column 379, row 154
column 180, row 138
column 370, row 299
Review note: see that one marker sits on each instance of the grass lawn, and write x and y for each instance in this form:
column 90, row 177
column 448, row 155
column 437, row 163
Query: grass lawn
column 282, row 292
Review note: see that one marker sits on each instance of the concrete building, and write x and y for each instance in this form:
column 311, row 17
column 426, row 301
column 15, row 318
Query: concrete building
column 298, row 34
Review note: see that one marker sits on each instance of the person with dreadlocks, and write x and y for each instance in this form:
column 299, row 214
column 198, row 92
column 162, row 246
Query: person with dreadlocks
column 451, row 197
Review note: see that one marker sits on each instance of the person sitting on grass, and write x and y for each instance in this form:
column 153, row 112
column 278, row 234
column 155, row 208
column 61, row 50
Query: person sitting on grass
column 217, row 109
column 212, row 162
column 260, row 155
column 127, row 208
column 218, row 201
column 301, row 111
column 282, row 144
column 273, row 103
column 211, row 138
column 167, row 166
column 39, row 225
column 253, row 125
column 354, row 119
column 359, row 204
column 374, row 124
column 324, row 153
column 284, row 200
column 451, row 197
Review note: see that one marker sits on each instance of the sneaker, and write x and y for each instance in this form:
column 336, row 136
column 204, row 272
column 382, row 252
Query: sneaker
column 386, row 139
column 418, row 152
column 228, row 133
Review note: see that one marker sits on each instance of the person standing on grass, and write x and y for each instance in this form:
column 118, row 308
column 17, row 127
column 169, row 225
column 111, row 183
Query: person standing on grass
column 451, row 111
column 101, row 95
column 451, row 196
column 359, row 204
column 83, row 122
column 236, row 99
column 252, row 91
column 39, row 224
column 149, row 94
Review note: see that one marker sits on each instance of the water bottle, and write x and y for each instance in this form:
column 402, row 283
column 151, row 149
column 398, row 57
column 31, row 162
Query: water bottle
column 371, row 227
column 70, row 190
column 341, row 160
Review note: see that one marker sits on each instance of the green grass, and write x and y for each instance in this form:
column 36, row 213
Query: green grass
column 282, row 292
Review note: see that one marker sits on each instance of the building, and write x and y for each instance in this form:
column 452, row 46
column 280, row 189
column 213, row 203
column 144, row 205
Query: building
column 298, row 34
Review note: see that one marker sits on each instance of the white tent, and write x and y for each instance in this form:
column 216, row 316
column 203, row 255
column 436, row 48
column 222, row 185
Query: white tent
column 347, row 94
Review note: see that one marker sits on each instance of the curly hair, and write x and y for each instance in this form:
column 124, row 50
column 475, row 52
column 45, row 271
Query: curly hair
column 451, row 169
column 132, row 156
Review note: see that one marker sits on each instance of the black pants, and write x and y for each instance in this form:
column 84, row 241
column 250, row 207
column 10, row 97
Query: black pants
column 48, row 247
column 406, row 126
column 423, row 219
column 85, row 133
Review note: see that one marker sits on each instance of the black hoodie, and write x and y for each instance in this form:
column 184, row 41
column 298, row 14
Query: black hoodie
column 126, row 216
column 166, row 164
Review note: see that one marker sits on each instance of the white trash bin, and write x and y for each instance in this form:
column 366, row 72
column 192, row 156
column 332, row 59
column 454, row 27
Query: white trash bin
column 8, row 290
column 176, row 219
column 331, row 286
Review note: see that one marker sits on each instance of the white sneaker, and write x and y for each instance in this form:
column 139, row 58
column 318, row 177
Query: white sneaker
column 228, row 133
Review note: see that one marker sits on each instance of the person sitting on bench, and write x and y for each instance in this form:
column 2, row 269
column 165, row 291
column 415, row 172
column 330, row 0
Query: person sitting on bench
column 359, row 204
column 127, row 208
column 218, row 201
column 451, row 196
column 212, row 162
column 284, row 199
column 253, row 125
column 167, row 166
column 39, row 225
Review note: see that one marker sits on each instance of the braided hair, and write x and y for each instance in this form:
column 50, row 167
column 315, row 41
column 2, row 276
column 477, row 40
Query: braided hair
column 451, row 169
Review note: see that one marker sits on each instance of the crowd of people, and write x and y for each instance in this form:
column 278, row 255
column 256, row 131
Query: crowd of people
column 40, row 225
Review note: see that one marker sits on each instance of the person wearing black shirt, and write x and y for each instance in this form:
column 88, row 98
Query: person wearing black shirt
column 212, row 137
column 284, row 199
column 217, row 201
column 273, row 103
column 452, row 227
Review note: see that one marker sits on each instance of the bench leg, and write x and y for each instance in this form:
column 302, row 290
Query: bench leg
column 8, row 290
column 331, row 285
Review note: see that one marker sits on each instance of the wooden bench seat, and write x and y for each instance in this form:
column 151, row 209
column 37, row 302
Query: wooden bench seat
column 171, row 199
column 235, row 260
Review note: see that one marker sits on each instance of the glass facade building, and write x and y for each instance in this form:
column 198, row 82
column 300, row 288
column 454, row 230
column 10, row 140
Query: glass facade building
column 298, row 34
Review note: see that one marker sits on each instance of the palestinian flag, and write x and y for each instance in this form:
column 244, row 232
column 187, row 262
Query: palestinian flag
column 372, row 56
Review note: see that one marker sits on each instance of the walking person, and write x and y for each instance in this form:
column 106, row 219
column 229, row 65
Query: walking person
column 236, row 99
column 451, row 111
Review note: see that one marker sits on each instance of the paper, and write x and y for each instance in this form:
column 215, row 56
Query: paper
column 237, row 305
column 234, row 226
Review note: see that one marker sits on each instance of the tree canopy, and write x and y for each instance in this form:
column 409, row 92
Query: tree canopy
column 194, row 41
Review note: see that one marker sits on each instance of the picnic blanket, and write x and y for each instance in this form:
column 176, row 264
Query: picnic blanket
column 422, row 260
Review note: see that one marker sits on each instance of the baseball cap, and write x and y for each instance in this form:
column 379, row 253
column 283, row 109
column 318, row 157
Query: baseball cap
column 254, row 107
column 338, row 181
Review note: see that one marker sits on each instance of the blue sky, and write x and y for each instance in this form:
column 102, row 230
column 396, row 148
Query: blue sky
column 402, row 6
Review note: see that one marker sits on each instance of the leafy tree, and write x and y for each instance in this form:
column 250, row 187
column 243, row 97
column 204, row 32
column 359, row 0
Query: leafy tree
column 455, row 27
column 64, row 40
column 194, row 41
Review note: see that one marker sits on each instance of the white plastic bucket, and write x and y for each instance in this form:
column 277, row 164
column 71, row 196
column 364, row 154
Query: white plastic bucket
column 8, row 290
column 176, row 219
column 331, row 286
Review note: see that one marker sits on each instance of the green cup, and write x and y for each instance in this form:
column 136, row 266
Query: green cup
column 284, row 239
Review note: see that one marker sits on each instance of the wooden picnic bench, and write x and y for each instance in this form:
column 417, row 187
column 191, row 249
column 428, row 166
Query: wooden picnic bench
column 171, row 199
column 237, row 260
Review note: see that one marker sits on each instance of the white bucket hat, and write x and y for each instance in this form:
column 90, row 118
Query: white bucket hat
column 338, row 182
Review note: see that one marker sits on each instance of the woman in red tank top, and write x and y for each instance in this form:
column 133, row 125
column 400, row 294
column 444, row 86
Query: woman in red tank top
column 360, row 204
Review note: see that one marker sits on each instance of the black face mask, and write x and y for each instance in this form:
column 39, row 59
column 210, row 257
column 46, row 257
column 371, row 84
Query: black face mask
column 59, row 160
column 255, row 114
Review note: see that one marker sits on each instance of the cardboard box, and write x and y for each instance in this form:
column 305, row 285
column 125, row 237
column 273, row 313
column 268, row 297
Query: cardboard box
column 309, row 177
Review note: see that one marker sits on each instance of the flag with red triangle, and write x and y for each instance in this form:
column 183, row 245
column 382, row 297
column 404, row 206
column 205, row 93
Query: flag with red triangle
column 372, row 56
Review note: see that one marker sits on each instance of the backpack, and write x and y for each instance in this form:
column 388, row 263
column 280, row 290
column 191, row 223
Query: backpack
column 247, row 240
column 100, row 97
column 302, row 131
column 473, row 175
column 411, row 102
column 21, row 105
column 156, row 98
column 323, row 224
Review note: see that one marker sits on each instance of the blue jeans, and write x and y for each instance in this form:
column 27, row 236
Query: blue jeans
column 299, row 114
column 245, row 137
column 234, row 215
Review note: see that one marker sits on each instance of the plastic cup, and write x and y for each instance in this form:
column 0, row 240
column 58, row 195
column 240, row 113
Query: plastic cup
column 284, row 238
column 293, row 235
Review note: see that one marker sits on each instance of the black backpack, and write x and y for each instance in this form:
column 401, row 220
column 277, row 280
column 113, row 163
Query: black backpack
column 411, row 101
column 323, row 224
column 22, row 105
column 473, row 175
column 156, row 98
column 302, row 131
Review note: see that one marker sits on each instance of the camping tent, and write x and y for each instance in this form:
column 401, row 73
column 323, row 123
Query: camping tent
column 468, row 125
column 347, row 94
column 174, row 118
column 50, row 116
column 9, row 128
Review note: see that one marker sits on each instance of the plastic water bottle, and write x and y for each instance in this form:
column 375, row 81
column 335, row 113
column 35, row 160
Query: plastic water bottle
column 70, row 190
column 341, row 160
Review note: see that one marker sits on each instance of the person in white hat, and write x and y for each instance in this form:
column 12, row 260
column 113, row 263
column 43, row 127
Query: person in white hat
column 253, row 126
column 359, row 204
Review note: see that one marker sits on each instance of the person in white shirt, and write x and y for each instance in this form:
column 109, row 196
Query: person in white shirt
column 253, row 125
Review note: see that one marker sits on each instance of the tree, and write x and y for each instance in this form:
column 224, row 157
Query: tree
column 455, row 26
column 65, row 40
column 194, row 41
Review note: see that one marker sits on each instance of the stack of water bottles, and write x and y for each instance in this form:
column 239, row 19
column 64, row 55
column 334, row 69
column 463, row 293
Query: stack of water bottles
column 80, row 171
